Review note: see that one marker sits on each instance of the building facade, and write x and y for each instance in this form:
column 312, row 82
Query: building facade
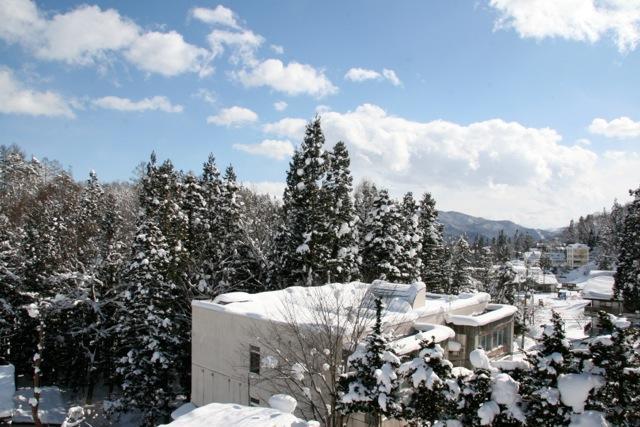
column 238, row 339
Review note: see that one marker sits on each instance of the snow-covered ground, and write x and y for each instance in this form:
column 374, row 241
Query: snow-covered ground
column 571, row 310
column 7, row 388
column 51, row 410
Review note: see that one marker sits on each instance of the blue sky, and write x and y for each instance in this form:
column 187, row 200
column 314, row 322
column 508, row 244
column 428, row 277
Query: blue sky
column 502, row 108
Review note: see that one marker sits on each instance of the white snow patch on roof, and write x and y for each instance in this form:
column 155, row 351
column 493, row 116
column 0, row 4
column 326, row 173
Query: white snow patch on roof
column 598, row 286
column 303, row 301
column 428, row 332
column 493, row 313
column 230, row 414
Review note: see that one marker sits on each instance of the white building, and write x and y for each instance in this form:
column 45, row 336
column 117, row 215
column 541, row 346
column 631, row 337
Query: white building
column 239, row 338
column 532, row 257
column 577, row 255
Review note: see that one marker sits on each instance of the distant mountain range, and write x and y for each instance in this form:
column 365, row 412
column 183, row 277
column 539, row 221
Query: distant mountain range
column 457, row 224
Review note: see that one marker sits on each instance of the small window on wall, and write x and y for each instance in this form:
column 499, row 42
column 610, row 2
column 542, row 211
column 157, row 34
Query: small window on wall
column 254, row 402
column 254, row 359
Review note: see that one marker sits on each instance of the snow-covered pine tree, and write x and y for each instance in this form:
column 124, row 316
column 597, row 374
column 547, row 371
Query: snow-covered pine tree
column 10, row 279
column 371, row 382
column 238, row 268
column 383, row 245
column 302, row 251
column 461, row 280
column 627, row 277
column 342, row 236
column 149, row 338
column 434, row 274
column 489, row 397
column 502, row 249
column 212, row 239
column 502, row 287
column 429, row 388
column 410, row 262
column 616, row 357
column 540, row 387
column 286, row 261
column 88, row 227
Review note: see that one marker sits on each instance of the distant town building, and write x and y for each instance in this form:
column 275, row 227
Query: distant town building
column 532, row 257
column 577, row 255
column 557, row 256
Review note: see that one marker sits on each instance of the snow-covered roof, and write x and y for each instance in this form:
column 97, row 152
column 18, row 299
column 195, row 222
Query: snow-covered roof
column 428, row 332
column 492, row 313
column 231, row 414
column 7, row 388
column 302, row 302
column 598, row 287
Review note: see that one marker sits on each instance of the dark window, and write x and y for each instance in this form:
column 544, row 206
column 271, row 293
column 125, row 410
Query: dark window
column 254, row 402
column 254, row 359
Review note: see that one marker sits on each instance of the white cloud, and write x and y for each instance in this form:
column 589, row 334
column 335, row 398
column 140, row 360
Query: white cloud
column 88, row 35
column 273, row 148
column 233, row 116
column 277, row 49
column 206, row 95
column 622, row 127
column 159, row 103
column 391, row 76
column 16, row 99
column 293, row 78
column 491, row 168
column 168, row 54
column 287, row 127
column 243, row 44
column 218, row 15
column 272, row 188
column 280, row 105
column 363, row 74
column 581, row 20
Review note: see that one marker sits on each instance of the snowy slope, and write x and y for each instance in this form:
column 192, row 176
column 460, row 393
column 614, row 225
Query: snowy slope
column 7, row 388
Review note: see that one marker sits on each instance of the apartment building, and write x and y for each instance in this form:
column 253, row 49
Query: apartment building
column 238, row 338
column 577, row 255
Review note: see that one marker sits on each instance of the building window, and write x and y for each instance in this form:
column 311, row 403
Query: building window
column 254, row 359
column 493, row 340
column 254, row 402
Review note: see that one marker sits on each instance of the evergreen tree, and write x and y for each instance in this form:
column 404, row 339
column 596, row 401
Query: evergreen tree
column 383, row 250
column 211, row 249
column 616, row 357
column 148, row 332
column 302, row 246
column 540, row 387
column 286, row 262
column 371, row 383
column 364, row 195
column 410, row 262
column 461, row 280
column 627, row 277
column 342, row 235
column 238, row 267
column 502, row 249
column 434, row 274
column 489, row 397
column 430, row 389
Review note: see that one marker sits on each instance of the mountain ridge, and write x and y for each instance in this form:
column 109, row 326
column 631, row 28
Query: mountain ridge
column 458, row 223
